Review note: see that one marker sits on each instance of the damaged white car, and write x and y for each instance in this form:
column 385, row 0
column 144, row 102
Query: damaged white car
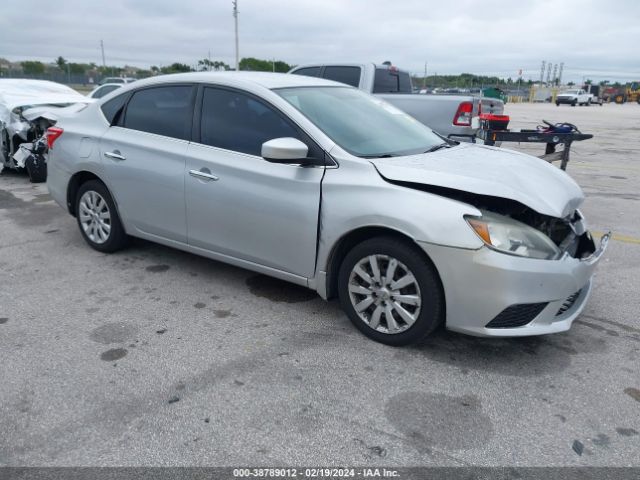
column 27, row 109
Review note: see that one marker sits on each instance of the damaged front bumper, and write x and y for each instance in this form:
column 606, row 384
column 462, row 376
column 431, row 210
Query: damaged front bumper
column 492, row 294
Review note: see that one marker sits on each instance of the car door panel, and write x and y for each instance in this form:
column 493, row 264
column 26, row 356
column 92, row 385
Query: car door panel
column 255, row 210
column 258, row 211
column 148, row 184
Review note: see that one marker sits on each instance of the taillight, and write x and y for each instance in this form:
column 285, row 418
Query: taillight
column 480, row 108
column 53, row 133
column 463, row 114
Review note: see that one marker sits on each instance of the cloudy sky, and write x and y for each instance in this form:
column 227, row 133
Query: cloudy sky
column 594, row 39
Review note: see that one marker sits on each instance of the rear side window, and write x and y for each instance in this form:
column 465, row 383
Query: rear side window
column 235, row 121
column 111, row 108
column 348, row 75
column 390, row 81
column 309, row 71
column 161, row 110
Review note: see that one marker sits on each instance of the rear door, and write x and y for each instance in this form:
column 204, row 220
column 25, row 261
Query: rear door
column 251, row 209
column 144, row 157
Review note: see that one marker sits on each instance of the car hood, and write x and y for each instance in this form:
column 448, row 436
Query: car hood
column 489, row 171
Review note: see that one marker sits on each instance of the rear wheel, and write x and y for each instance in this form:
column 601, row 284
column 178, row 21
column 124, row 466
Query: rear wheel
column 36, row 168
column 98, row 218
column 390, row 291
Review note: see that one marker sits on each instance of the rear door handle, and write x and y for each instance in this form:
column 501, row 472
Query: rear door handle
column 203, row 175
column 115, row 155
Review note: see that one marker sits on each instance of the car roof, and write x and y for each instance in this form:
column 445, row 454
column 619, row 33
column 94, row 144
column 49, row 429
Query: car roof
column 264, row 79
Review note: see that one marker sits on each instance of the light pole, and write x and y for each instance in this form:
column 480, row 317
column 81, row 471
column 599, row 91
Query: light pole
column 235, row 18
column 424, row 83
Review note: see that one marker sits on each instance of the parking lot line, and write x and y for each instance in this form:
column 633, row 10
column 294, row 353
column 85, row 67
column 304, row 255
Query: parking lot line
column 618, row 237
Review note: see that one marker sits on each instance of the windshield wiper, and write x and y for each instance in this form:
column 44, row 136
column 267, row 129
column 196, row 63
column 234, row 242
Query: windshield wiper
column 386, row 155
column 438, row 147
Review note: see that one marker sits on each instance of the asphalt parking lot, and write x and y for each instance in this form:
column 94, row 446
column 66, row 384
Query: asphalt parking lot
column 152, row 356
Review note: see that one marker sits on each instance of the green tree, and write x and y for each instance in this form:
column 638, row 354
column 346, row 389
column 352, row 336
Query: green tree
column 61, row 62
column 176, row 68
column 78, row 68
column 206, row 64
column 33, row 68
column 258, row 65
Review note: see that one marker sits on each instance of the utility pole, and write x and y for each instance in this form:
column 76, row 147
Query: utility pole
column 209, row 57
column 560, row 73
column 235, row 18
column 104, row 64
column 544, row 64
column 424, row 83
column 554, row 78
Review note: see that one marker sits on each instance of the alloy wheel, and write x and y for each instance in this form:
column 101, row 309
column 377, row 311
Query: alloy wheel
column 385, row 294
column 95, row 217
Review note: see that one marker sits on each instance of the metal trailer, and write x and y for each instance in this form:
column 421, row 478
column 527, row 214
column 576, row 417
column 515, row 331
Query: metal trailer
column 551, row 139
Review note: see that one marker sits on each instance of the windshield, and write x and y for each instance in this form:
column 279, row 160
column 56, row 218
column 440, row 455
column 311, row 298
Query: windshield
column 361, row 124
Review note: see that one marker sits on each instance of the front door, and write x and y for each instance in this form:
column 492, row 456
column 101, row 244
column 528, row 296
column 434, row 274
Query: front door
column 237, row 203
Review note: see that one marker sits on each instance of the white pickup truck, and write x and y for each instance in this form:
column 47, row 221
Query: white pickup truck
column 452, row 116
column 574, row 97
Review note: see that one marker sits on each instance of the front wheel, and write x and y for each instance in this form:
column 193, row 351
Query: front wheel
column 98, row 218
column 391, row 291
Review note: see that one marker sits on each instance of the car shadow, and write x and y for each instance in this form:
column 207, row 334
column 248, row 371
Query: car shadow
column 521, row 356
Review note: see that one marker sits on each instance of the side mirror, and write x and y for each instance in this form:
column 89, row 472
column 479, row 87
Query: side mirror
column 286, row 150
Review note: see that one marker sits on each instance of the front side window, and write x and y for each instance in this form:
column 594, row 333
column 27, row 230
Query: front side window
column 235, row 121
column 161, row 110
column 360, row 123
column 348, row 75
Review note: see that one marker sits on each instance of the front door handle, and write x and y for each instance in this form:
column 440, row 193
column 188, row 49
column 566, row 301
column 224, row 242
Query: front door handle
column 203, row 174
column 115, row 155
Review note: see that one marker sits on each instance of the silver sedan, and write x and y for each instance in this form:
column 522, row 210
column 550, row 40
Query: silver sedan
column 325, row 186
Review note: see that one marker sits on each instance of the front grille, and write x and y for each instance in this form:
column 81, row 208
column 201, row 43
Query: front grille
column 516, row 315
column 568, row 303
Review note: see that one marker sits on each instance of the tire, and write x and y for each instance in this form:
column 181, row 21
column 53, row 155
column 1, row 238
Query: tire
column 574, row 103
column 102, row 233
column 557, row 104
column 619, row 99
column 36, row 168
column 425, row 314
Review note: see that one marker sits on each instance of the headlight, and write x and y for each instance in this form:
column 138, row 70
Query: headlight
column 510, row 236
